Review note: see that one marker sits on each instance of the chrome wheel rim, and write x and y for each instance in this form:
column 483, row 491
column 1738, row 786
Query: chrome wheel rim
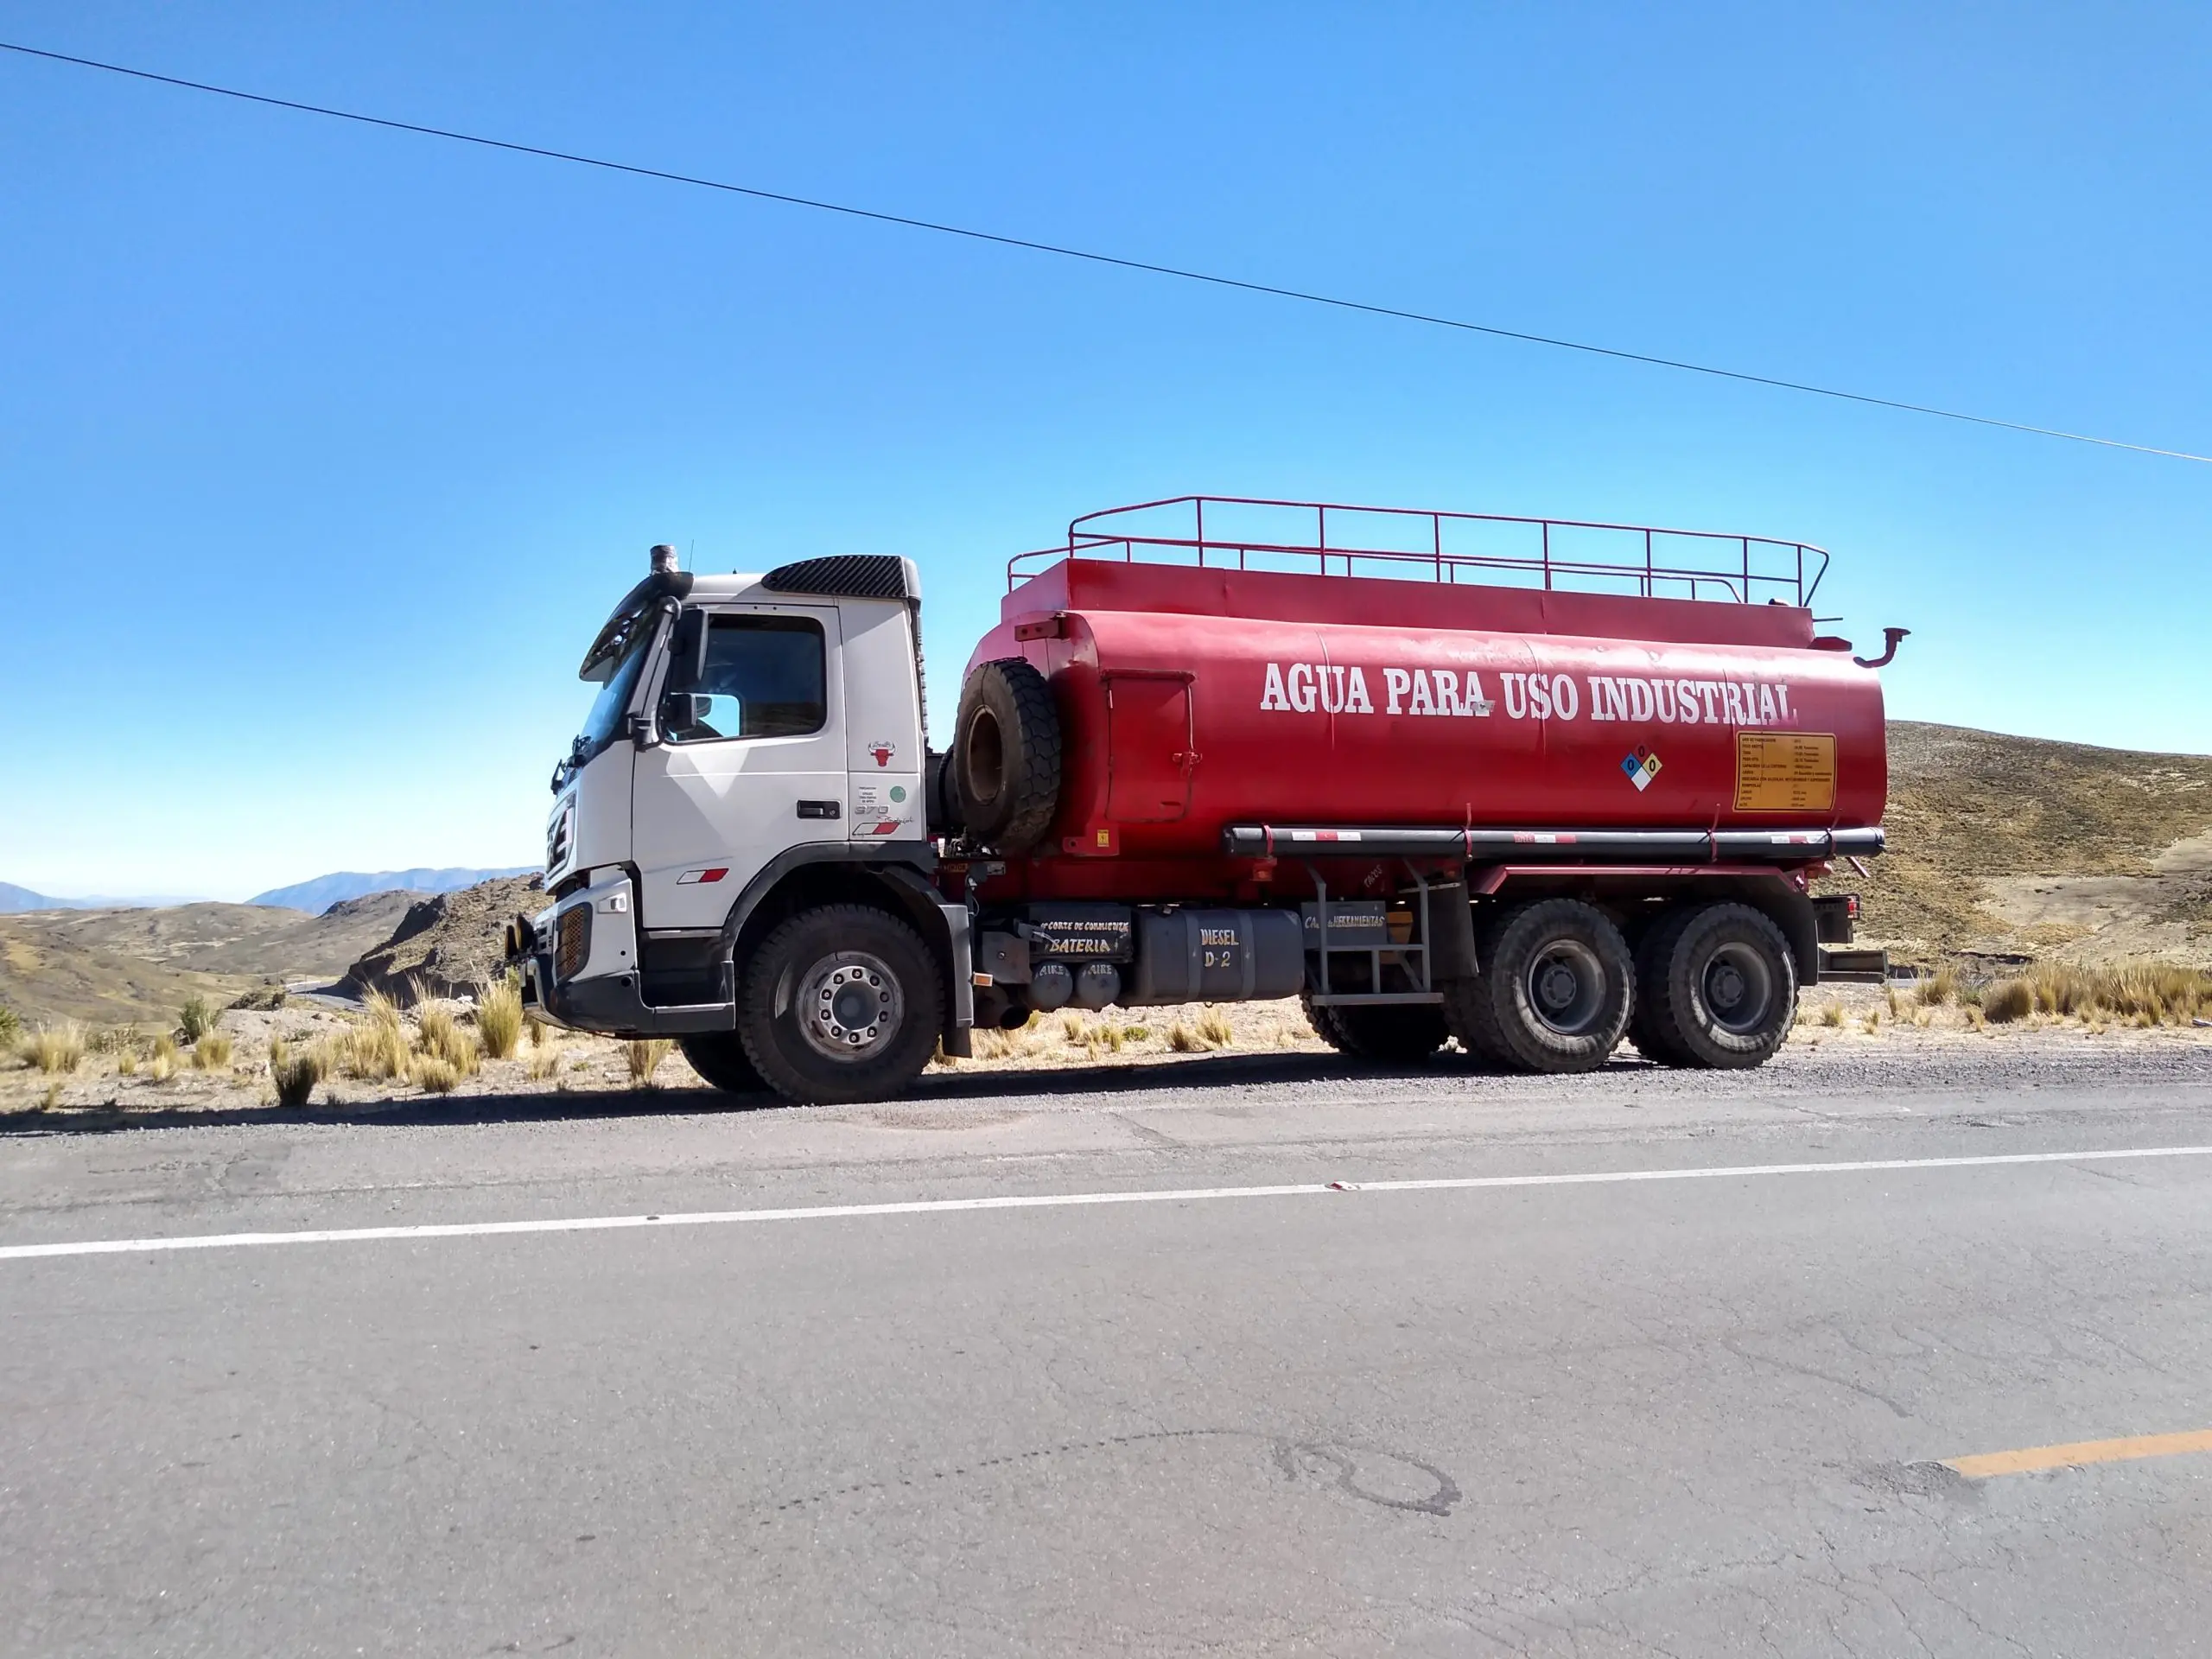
column 849, row 1006
column 1565, row 983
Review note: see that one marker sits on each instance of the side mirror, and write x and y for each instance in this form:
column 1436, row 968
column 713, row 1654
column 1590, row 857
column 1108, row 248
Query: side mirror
column 687, row 651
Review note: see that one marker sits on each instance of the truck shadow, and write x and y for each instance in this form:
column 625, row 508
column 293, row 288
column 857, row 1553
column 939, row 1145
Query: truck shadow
column 1127, row 1083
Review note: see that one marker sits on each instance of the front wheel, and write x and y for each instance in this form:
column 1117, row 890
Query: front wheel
column 719, row 1059
column 840, row 1004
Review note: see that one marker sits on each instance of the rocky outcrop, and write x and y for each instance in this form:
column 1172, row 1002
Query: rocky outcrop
column 448, row 944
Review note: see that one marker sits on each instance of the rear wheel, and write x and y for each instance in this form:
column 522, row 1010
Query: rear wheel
column 1553, row 992
column 840, row 1004
column 719, row 1057
column 1726, row 989
column 1401, row 1033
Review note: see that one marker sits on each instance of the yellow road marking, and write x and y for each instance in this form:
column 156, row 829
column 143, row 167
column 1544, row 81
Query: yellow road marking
column 2028, row 1460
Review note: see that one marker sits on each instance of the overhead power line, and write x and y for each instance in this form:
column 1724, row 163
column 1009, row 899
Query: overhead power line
column 1093, row 256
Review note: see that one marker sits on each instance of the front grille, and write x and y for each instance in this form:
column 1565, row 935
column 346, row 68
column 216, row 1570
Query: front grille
column 571, row 941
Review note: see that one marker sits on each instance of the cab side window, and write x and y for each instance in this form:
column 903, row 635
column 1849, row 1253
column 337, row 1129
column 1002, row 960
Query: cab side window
column 764, row 677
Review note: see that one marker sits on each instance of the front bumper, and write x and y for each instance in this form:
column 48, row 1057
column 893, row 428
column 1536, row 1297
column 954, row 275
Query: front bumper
column 600, row 990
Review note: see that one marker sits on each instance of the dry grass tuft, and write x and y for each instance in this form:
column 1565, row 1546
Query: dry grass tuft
column 55, row 1048
column 536, row 1031
column 1832, row 1015
column 440, row 1033
column 213, row 1052
column 11, row 1026
column 53, row 1097
column 2143, row 994
column 644, row 1057
column 543, row 1063
column 126, row 1061
column 1212, row 1031
column 499, row 1018
column 297, row 1072
column 433, row 1073
column 435, row 1026
column 374, row 1049
column 989, row 1043
column 1938, row 988
column 161, row 1066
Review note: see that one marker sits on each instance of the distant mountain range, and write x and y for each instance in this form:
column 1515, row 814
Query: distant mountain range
column 316, row 896
column 14, row 901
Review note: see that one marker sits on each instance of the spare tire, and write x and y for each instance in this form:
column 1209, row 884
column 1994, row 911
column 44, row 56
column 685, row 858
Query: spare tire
column 1003, row 774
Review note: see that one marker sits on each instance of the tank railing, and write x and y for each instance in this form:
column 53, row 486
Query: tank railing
column 1752, row 568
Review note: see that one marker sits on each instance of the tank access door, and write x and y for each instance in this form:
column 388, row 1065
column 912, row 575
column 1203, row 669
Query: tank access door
column 1151, row 745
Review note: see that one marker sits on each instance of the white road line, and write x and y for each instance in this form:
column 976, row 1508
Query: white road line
column 1065, row 1200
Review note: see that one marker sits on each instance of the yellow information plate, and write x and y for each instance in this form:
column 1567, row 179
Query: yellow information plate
column 1785, row 771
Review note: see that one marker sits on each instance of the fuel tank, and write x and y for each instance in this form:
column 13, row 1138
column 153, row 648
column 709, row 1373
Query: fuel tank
column 1190, row 699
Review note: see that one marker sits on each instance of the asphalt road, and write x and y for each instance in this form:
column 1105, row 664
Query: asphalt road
column 1598, row 1415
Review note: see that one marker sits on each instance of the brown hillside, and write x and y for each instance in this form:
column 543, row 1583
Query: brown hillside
column 124, row 965
column 2017, row 844
column 448, row 944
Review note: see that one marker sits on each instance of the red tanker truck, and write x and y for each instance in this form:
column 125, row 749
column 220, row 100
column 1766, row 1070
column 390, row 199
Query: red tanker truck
column 1533, row 785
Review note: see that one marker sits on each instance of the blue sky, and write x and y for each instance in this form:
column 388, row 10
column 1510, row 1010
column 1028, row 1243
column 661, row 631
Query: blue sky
column 323, row 450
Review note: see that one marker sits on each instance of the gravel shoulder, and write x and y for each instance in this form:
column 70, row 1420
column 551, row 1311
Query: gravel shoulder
column 1849, row 1039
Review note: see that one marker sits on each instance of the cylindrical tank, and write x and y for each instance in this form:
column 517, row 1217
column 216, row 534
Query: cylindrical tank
column 1192, row 699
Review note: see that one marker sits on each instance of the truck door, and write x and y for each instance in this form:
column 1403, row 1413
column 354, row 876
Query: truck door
column 1150, row 747
column 750, row 763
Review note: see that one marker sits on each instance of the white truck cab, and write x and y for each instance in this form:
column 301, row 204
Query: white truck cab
column 756, row 749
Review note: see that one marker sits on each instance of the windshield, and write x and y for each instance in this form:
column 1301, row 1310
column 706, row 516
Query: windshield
column 606, row 709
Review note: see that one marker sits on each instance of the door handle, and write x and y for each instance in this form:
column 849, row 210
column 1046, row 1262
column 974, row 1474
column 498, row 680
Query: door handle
column 820, row 809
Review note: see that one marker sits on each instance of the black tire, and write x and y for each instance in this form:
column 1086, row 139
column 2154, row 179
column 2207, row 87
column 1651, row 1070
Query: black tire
column 1652, row 951
column 1557, row 986
column 719, row 1057
column 1003, row 776
column 1400, row 1033
column 812, row 983
column 937, row 808
column 1727, row 990
column 1323, row 1021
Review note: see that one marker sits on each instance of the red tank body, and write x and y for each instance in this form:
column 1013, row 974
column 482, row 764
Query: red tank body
column 1192, row 699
